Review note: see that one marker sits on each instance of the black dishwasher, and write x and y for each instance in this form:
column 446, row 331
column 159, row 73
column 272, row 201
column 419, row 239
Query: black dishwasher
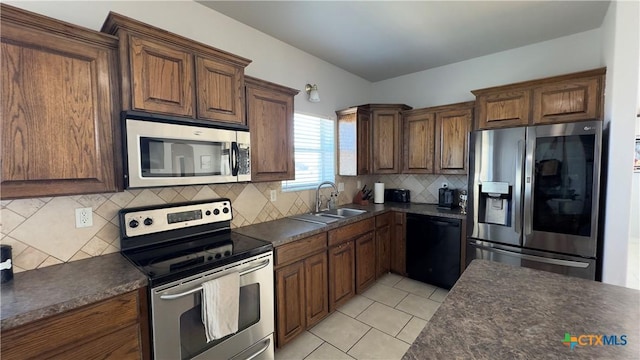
column 433, row 249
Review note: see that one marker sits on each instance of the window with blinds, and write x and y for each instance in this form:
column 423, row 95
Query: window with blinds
column 314, row 152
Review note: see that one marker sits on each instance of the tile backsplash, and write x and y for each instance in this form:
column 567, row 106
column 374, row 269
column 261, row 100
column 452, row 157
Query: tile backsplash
column 42, row 231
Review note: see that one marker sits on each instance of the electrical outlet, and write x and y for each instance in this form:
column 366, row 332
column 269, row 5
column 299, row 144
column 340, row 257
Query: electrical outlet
column 84, row 217
column 274, row 195
column 445, row 185
column 340, row 186
column 358, row 184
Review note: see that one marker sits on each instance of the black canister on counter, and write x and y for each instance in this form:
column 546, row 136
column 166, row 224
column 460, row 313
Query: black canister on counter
column 6, row 264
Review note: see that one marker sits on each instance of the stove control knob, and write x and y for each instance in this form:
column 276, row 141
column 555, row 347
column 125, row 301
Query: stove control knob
column 216, row 212
column 148, row 221
column 209, row 258
column 225, row 210
column 227, row 253
column 134, row 223
column 208, row 212
column 218, row 255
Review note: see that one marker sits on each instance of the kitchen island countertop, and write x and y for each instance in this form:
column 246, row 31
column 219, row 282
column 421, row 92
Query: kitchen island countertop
column 498, row 311
column 35, row 294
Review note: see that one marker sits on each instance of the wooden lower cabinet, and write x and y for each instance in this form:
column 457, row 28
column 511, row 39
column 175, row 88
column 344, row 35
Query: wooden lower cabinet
column 399, row 244
column 341, row 274
column 290, row 308
column 365, row 261
column 114, row 328
column 383, row 250
column 316, row 288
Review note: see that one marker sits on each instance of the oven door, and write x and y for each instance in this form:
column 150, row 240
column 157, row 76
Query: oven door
column 178, row 332
column 161, row 154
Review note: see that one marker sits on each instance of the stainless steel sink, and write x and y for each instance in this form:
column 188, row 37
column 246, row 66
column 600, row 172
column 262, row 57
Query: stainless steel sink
column 340, row 213
column 328, row 216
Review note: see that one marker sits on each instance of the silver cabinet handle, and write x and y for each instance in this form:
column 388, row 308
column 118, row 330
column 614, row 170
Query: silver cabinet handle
column 245, row 271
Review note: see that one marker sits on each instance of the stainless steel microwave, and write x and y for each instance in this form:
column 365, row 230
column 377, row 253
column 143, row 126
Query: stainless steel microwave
column 173, row 154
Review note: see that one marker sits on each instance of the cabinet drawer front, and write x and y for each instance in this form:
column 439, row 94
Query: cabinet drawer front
column 300, row 249
column 46, row 337
column 347, row 232
column 567, row 101
column 384, row 220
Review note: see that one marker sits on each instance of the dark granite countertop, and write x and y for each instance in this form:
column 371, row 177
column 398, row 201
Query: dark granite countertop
column 498, row 311
column 36, row 294
column 282, row 231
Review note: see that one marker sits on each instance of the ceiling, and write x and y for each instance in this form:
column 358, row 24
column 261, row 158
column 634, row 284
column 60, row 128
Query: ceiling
column 378, row 40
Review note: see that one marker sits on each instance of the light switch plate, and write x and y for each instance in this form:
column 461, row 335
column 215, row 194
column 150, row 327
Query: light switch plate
column 358, row 184
column 340, row 186
column 274, row 195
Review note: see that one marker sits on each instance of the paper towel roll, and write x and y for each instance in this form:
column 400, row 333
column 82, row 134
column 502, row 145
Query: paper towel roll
column 378, row 193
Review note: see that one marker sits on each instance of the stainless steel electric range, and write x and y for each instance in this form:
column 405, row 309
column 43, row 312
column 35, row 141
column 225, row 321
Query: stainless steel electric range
column 180, row 247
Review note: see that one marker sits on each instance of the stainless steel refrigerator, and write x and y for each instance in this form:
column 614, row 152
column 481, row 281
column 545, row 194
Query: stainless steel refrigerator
column 534, row 194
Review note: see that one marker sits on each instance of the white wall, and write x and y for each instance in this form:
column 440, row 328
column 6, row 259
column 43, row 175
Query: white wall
column 453, row 83
column 621, row 54
column 273, row 60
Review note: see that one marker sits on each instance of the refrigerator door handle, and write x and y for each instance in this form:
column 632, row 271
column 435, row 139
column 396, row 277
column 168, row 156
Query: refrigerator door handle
column 518, row 186
column 529, row 180
column 540, row 259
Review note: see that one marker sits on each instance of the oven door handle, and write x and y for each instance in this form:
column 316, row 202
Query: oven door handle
column 245, row 271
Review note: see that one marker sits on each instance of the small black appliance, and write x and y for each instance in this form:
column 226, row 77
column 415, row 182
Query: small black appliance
column 447, row 198
column 397, row 195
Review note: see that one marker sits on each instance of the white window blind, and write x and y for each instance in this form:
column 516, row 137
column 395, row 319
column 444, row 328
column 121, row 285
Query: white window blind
column 314, row 152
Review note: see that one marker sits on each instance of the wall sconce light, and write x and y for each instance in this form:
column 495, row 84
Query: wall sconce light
column 312, row 90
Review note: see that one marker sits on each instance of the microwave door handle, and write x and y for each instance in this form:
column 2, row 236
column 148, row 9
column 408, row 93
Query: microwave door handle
column 235, row 165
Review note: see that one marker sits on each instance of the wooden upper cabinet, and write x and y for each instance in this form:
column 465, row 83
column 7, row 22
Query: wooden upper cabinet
column 506, row 109
column 386, row 138
column 418, row 144
column 354, row 141
column 566, row 101
column 565, row 98
column 220, row 91
column 59, row 108
column 161, row 77
column 270, row 118
column 452, row 138
column 168, row 74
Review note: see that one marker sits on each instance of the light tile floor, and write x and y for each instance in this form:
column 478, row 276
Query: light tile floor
column 381, row 323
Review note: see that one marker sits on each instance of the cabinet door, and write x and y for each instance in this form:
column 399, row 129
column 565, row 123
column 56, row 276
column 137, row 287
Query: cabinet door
column 452, row 141
column 270, row 118
column 365, row 261
column 504, row 109
column 290, row 302
column 399, row 244
column 219, row 91
column 341, row 274
column 161, row 77
column 383, row 250
column 316, row 288
column 59, row 111
column 386, row 142
column 364, row 142
column 566, row 101
column 418, row 147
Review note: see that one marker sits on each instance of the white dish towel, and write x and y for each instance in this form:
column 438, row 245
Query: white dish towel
column 221, row 306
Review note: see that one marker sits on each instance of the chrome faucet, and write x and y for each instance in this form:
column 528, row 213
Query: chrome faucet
column 318, row 202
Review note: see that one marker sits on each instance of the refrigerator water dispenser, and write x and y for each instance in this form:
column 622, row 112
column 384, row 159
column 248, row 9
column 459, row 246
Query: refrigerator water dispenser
column 495, row 203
